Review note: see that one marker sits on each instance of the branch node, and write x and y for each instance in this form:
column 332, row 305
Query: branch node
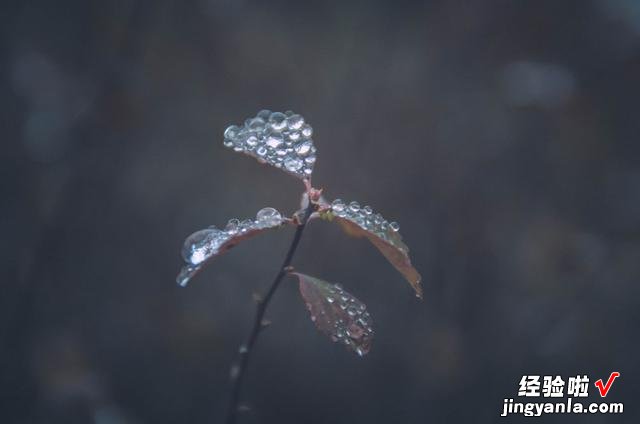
column 257, row 297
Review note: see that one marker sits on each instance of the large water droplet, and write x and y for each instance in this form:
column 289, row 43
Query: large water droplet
column 231, row 132
column 277, row 121
column 256, row 124
column 268, row 217
column 304, row 148
column 395, row 226
column 264, row 114
column 295, row 122
column 200, row 245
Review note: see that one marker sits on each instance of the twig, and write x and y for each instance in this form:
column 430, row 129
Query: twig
column 240, row 365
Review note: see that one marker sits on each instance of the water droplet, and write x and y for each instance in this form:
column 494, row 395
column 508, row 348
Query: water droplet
column 395, row 226
column 292, row 164
column 310, row 160
column 245, row 225
column 307, row 131
column 331, row 299
column 367, row 210
column 261, row 151
column 256, row 125
column 295, row 122
column 354, row 206
column 268, row 217
column 200, row 245
column 186, row 273
column 264, row 114
column 231, row 132
column 251, row 141
column 277, row 121
column 304, row 148
column 338, row 207
column 232, row 226
column 294, row 136
column 274, row 141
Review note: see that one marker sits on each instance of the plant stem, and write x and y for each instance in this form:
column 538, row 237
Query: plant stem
column 240, row 365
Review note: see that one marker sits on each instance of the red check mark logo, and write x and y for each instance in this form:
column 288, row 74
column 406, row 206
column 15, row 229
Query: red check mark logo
column 605, row 389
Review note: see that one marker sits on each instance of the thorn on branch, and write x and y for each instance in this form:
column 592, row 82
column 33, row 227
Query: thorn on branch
column 234, row 372
column 244, row 407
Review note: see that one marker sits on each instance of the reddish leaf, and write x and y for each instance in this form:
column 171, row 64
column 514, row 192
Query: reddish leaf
column 204, row 245
column 363, row 222
column 337, row 313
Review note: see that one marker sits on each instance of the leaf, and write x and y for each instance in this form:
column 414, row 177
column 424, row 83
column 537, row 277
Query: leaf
column 204, row 245
column 363, row 222
column 337, row 313
column 280, row 139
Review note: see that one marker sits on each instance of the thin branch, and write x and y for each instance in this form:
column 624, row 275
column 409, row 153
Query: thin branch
column 240, row 365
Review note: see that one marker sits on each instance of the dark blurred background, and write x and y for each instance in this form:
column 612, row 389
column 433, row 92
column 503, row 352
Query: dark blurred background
column 501, row 135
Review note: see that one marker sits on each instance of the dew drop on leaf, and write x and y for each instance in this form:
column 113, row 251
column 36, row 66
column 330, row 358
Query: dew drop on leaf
column 280, row 139
column 337, row 313
column 363, row 222
column 292, row 164
column 205, row 244
column 268, row 217
column 200, row 245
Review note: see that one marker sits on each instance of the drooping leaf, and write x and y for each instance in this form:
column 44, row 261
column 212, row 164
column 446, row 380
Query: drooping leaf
column 363, row 222
column 204, row 245
column 280, row 139
column 337, row 313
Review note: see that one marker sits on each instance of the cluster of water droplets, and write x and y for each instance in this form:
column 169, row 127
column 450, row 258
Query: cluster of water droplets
column 368, row 220
column 206, row 243
column 279, row 139
column 353, row 327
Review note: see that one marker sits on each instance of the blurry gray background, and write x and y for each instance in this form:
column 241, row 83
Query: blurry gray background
column 501, row 135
